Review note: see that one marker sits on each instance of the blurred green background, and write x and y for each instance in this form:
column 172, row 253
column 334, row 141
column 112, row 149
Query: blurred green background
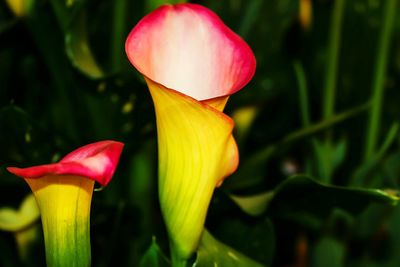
column 317, row 128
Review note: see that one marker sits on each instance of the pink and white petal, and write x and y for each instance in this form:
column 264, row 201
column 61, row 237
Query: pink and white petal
column 111, row 148
column 188, row 48
column 96, row 161
column 69, row 168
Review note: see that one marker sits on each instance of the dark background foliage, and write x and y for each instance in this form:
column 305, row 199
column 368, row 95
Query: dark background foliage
column 65, row 81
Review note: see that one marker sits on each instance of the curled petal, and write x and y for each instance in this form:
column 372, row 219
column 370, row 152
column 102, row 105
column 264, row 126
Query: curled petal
column 196, row 151
column 96, row 161
column 188, row 48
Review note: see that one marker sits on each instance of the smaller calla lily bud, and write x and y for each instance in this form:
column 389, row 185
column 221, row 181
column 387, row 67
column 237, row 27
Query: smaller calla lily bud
column 243, row 118
column 192, row 62
column 63, row 192
column 20, row 8
column 305, row 14
column 23, row 223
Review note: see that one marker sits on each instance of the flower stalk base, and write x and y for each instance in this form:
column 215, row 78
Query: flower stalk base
column 65, row 211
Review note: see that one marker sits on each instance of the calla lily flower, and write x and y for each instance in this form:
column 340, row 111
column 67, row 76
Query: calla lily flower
column 192, row 62
column 63, row 192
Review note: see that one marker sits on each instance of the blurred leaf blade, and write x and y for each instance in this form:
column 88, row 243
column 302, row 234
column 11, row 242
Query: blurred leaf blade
column 328, row 252
column 254, row 204
column 78, row 49
column 303, row 194
column 211, row 253
column 154, row 257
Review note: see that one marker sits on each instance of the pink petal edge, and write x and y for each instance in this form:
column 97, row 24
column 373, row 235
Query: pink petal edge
column 96, row 161
column 231, row 66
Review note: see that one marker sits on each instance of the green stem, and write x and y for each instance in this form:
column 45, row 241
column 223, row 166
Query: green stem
column 178, row 261
column 323, row 162
column 331, row 84
column 379, row 78
column 262, row 155
column 72, row 249
column 303, row 93
column 333, row 59
column 250, row 16
column 61, row 13
column 119, row 34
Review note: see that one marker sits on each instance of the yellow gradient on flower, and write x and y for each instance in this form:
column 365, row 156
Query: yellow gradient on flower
column 64, row 202
column 218, row 103
column 196, row 151
column 192, row 63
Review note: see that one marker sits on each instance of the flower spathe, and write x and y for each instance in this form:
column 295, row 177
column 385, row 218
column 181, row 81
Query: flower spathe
column 63, row 192
column 96, row 161
column 186, row 47
column 192, row 62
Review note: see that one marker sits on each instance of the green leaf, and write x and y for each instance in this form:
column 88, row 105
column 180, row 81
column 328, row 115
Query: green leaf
column 154, row 257
column 253, row 236
column 214, row 253
column 366, row 172
column 78, row 49
column 300, row 195
column 339, row 153
column 328, row 252
column 15, row 133
column 394, row 238
column 328, row 157
column 253, row 205
column 250, row 16
column 323, row 159
column 391, row 167
column 249, row 173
